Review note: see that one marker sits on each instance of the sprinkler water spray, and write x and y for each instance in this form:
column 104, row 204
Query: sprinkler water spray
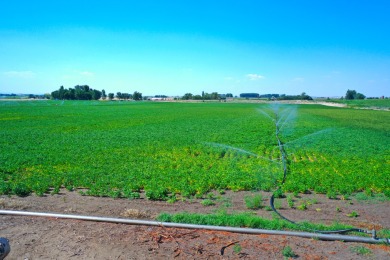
column 241, row 151
column 281, row 119
column 284, row 161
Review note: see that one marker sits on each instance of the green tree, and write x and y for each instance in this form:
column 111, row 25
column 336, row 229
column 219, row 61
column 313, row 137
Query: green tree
column 61, row 92
column 110, row 96
column 137, row 95
column 79, row 92
column 72, row 93
column 96, row 94
column 104, row 96
column 304, row 96
column 55, row 94
column 360, row 96
column 351, row 94
column 187, row 96
column 126, row 96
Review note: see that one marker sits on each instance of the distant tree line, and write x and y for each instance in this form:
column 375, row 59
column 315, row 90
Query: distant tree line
column 126, row 96
column 8, row 95
column 84, row 92
column 30, row 96
column 269, row 96
column 249, row 95
column 79, row 92
column 302, row 96
column 206, row 96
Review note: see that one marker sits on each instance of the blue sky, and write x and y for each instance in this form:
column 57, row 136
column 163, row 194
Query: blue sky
column 168, row 47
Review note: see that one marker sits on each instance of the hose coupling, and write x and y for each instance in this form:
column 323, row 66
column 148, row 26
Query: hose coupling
column 373, row 234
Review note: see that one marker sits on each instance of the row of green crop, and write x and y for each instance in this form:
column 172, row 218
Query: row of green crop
column 365, row 103
column 120, row 149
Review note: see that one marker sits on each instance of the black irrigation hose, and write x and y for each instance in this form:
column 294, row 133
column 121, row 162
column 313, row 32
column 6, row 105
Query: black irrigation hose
column 285, row 171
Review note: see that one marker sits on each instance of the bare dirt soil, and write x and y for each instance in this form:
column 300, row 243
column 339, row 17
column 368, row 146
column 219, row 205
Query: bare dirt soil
column 51, row 238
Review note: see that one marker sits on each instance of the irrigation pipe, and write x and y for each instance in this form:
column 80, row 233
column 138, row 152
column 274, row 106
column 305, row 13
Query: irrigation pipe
column 205, row 227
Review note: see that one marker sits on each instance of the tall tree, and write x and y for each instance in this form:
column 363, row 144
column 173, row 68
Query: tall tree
column 61, row 92
column 96, row 94
column 351, row 94
column 360, row 96
column 187, row 96
column 137, row 95
column 214, row 95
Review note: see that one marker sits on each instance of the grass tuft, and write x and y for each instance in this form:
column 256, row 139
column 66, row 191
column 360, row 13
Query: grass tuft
column 254, row 202
column 288, row 252
column 360, row 250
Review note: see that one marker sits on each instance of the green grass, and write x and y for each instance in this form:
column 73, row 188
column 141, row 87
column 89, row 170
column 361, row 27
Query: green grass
column 254, row 201
column 207, row 202
column 361, row 250
column 288, row 252
column 119, row 149
column 353, row 214
column 366, row 103
column 250, row 220
column 365, row 196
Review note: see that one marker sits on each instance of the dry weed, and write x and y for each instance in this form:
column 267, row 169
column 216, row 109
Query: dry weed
column 11, row 204
column 138, row 214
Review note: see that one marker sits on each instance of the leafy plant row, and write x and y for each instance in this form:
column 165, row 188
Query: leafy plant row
column 120, row 149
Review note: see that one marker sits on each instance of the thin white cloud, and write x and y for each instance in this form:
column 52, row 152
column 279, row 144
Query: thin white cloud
column 332, row 74
column 298, row 79
column 19, row 74
column 254, row 76
column 87, row 73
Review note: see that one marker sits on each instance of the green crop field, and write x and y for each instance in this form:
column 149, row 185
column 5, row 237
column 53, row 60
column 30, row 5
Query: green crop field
column 120, row 149
column 365, row 103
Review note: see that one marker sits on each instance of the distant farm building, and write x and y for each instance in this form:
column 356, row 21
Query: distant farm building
column 160, row 98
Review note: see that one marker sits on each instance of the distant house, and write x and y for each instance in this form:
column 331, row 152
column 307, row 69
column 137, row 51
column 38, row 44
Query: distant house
column 249, row 95
column 160, row 98
column 156, row 99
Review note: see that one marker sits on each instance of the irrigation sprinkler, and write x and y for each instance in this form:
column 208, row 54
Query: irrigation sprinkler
column 281, row 119
column 284, row 161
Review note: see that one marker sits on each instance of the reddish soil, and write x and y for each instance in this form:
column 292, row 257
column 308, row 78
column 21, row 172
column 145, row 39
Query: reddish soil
column 50, row 238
